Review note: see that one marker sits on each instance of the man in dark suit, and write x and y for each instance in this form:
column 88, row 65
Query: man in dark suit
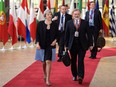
column 78, row 39
column 95, row 25
column 61, row 19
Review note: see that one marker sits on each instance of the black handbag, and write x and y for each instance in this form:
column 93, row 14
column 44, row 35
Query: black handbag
column 66, row 59
column 100, row 43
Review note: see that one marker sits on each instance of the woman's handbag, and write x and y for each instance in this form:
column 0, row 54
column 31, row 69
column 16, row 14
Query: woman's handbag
column 66, row 59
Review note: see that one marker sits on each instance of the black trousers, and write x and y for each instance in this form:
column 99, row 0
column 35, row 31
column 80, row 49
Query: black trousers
column 77, row 59
column 95, row 34
column 61, row 44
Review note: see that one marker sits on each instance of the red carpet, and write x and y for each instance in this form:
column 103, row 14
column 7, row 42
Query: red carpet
column 61, row 75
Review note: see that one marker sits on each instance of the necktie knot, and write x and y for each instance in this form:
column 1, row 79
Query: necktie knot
column 76, row 21
column 62, row 22
column 92, row 12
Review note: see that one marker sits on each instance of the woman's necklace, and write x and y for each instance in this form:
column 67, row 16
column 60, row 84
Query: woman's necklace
column 48, row 24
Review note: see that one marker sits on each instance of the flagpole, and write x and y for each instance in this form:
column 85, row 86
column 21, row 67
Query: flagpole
column 113, row 40
column 32, row 46
column 25, row 46
column 19, row 43
column 3, row 49
column 11, row 48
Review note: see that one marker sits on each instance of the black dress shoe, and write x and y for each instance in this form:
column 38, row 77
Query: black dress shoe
column 92, row 57
column 74, row 78
column 80, row 80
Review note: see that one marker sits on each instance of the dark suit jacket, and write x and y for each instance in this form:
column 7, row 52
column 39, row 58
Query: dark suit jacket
column 41, row 33
column 97, row 18
column 67, row 18
column 85, row 36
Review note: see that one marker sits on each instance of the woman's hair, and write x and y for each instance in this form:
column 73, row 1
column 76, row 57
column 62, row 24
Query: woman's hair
column 46, row 12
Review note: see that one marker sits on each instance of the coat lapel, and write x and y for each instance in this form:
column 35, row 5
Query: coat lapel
column 73, row 27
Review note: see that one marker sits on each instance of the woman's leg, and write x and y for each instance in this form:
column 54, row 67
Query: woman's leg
column 48, row 70
column 44, row 70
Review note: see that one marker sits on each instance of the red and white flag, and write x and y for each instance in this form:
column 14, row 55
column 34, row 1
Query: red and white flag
column 63, row 2
column 23, row 20
column 32, row 22
column 87, row 5
column 12, row 30
column 71, row 7
column 40, row 15
column 48, row 4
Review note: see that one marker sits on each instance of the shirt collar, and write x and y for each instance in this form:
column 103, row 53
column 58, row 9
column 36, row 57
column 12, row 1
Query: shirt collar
column 62, row 14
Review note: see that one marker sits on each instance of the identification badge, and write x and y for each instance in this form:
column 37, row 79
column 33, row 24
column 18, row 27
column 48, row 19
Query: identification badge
column 76, row 34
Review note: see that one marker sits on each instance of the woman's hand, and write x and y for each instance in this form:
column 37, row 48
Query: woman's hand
column 53, row 43
column 91, row 47
column 38, row 46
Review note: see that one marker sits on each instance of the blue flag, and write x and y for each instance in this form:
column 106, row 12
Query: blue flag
column 97, row 4
column 28, row 37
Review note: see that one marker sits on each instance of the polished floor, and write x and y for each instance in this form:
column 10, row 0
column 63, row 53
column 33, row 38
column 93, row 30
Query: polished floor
column 12, row 62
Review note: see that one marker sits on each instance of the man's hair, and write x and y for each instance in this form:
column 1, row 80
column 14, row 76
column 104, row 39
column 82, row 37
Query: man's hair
column 63, row 6
column 66, row 5
column 76, row 10
column 92, row 2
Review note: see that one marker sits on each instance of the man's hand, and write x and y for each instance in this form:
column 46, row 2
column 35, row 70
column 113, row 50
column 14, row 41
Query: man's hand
column 55, row 18
column 91, row 47
column 101, row 31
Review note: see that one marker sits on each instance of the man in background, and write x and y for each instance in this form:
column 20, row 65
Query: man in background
column 93, row 16
column 61, row 19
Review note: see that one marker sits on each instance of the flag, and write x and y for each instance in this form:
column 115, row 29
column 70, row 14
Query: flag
column 63, row 2
column 71, row 7
column 105, row 19
column 3, row 24
column 40, row 15
column 23, row 29
column 32, row 22
column 112, row 20
column 79, row 5
column 12, row 30
column 97, row 4
column 87, row 5
column 55, row 6
column 48, row 5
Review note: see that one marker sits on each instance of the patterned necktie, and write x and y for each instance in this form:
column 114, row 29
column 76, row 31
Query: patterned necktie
column 62, row 18
column 76, row 23
column 91, row 14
